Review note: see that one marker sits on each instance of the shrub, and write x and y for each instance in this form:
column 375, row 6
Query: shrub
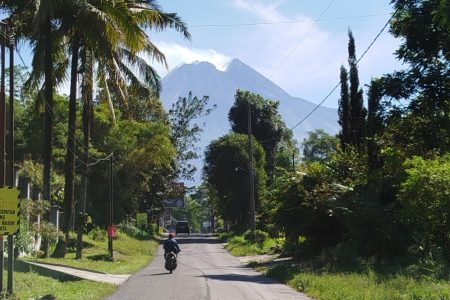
column 152, row 229
column 258, row 236
column 98, row 234
column 425, row 195
column 133, row 231
column 24, row 239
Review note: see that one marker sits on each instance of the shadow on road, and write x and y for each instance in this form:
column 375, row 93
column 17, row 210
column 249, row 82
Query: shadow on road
column 186, row 239
column 158, row 274
column 239, row 277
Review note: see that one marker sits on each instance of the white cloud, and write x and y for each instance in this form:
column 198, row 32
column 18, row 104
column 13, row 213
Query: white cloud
column 268, row 12
column 308, row 65
column 177, row 54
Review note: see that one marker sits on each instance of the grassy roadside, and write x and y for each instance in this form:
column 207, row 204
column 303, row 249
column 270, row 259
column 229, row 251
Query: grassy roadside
column 357, row 285
column 30, row 285
column 321, row 283
column 238, row 245
column 131, row 254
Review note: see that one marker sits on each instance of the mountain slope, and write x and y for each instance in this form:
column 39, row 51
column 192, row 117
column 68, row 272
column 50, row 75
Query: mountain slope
column 204, row 79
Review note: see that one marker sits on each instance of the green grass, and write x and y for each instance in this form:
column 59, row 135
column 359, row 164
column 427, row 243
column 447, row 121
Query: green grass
column 130, row 255
column 238, row 246
column 321, row 283
column 30, row 285
column 363, row 285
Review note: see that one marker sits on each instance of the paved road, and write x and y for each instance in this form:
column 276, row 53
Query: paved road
column 205, row 271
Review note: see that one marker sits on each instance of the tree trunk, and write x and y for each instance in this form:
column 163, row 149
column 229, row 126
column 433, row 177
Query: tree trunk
column 48, row 130
column 87, row 102
column 61, row 248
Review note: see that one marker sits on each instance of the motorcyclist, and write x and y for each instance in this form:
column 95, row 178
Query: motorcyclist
column 171, row 245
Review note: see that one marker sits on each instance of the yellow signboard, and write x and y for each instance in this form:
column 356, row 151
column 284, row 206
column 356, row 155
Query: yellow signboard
column 9, row 210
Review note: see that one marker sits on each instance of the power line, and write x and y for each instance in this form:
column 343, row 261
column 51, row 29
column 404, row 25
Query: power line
column 302, row 39
column 287, row 22
column 339, row 83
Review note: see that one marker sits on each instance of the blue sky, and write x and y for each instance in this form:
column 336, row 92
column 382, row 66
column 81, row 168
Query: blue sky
column 306, row 66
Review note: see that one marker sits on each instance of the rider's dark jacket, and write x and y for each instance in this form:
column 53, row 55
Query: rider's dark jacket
column 171, row 245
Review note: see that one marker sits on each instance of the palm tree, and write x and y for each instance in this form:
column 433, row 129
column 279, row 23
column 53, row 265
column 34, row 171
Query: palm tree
column 36, row 21
column 442, row 14
column 117, row 55
column 114, row 40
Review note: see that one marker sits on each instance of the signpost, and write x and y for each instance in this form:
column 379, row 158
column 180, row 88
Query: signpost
column 9, row 210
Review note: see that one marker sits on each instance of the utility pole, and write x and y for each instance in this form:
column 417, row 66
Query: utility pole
column 2, row 134
column 111, row 182
column 250, row 171
column 11, row 151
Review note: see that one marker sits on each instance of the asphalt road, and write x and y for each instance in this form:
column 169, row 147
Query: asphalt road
column 205, row 271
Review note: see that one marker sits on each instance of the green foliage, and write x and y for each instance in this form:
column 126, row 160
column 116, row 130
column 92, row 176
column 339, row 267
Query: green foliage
column 357, row 111
column 24, row 240
column 367, row 284
column 48, row 231
column 319, row 146
column 143, row 160
column 344, row 109
column 243, row 245
column 267, row 125
column 425, row 199
column 257, row 236
column 134, row 231
column 442, row 14
column 185, row 132
column 226, row 161
column 98, row 234
column 417, row 99
column 141, row 220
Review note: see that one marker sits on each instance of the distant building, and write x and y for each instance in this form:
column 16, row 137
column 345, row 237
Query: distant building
column 176, row 199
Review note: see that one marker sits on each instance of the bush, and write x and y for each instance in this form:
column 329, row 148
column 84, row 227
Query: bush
column 24, row 239
column 153, row 229
column 98, row 234
column 258, row 236
column 133, row 231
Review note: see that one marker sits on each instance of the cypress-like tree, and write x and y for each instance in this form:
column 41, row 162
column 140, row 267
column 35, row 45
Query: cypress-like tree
column 357, row 111
column 374, row 124
column 344, row 110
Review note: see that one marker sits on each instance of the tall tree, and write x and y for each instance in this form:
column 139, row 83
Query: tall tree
column 185, row 132
column 374, row 124
column 226, row 171
column 357, row 110
column 344, row 110
column 319, row 146
column 417, row 98
column 115, row 42
column 267, row 124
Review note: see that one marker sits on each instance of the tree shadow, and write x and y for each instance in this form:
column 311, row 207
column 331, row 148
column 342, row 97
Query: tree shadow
column 24, row 267
column 196, row 240
column 103, row 257
column 242, row 278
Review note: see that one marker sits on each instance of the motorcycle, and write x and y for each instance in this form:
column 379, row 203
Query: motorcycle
column 171, row 262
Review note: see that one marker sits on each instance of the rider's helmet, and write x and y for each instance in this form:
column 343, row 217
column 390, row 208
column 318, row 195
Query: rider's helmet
column 170, row 235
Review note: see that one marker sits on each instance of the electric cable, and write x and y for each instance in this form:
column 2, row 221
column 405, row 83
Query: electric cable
column 357, row 62
column 287, row 22
column 302, row 39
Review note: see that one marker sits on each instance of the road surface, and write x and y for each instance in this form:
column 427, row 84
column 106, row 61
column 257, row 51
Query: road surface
column 205, row 271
